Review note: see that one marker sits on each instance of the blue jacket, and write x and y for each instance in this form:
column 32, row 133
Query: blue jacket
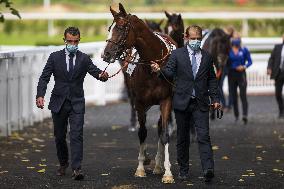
column 241, row 58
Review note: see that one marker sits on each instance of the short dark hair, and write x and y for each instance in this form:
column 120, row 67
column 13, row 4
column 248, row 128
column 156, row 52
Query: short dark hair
column 72, row 30
column 198, row 29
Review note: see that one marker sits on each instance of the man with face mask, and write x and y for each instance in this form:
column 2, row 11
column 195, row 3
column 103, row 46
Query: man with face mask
column 275, row 69
column 196, row 87
column 67, row 103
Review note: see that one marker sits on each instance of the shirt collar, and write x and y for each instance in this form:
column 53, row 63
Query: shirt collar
column 67, row 52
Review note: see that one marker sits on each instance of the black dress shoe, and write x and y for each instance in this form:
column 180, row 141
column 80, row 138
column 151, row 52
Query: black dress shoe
column 183, row 176
column 62, row 169
column 77, row 174
column 208, row 175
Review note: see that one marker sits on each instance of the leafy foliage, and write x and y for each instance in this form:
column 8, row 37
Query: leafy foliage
column 8, row 5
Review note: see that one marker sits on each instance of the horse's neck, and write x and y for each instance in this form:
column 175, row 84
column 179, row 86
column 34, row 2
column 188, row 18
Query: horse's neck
column 178, row 38
column 149, row 46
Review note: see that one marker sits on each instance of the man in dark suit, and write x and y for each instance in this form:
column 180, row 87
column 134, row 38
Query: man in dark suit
column 67, row 103
column 195, row 83
column 275, row 69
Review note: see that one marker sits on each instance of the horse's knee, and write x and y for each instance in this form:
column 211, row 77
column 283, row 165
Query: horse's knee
column 165, row 137
column 142, row 133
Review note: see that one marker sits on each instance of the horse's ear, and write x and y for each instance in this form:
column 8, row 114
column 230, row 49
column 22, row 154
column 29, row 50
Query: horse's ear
column 160, row 23
column 122, row 10
column 113, row 12
column 167, row 14
column 179, row 17
column 147, row 22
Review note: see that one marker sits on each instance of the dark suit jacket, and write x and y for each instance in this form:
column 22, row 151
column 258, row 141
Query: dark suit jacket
column 205, row 83
column 64, row 85
column 274, row 60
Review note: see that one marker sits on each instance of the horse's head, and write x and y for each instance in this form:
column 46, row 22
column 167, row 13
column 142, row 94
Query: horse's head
column 219, row 48
column 155, row 27
column 122, row 36
column 174, row 23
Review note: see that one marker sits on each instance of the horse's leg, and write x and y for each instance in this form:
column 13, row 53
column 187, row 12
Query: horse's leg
column 133, row 118
column 172, row 125
column 158, row 159
column 142, row 133
column 166, row 107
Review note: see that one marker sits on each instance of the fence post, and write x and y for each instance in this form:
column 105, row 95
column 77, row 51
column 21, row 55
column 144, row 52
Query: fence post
column 3, row 97
column 245, row 28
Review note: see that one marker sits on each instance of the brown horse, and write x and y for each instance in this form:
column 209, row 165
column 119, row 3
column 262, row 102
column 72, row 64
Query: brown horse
column 155, row 27
column 175, row 28
column 148, row 89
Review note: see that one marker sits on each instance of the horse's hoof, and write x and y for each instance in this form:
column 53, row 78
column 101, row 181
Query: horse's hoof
column 168, row 179
column 157, row 170
column 140, row 173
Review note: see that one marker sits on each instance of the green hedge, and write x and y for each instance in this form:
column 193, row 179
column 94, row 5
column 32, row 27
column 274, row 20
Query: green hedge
column 35, row 32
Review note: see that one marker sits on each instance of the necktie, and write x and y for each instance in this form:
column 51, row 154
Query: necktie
column 194, row 68
column 71, row 56
column 194, row 64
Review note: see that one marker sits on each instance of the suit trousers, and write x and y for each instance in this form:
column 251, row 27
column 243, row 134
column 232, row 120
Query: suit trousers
column 279, row 81
column 200, row 119
column 238, row 79
column 76, row 122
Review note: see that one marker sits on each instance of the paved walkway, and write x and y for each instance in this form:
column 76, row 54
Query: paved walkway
column 246, row 156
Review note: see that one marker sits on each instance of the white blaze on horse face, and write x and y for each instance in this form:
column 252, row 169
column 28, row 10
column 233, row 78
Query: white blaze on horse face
column 170, row 29
column 108, row 37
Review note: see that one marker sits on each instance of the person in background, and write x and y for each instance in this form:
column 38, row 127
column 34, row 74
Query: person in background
column 69, row 67
column 239, row 61
column 275, row 69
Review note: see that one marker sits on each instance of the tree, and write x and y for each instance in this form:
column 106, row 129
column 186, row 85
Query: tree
column 8, row 5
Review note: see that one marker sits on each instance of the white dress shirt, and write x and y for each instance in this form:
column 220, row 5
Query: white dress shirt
column 67, row 59
column 282, row 56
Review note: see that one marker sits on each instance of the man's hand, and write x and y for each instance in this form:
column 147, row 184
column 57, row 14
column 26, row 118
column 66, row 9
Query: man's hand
column 241, row 68
column 103, row 76
column 40, row 102
column 269, row 71
column 155, row 67
column 216, row 106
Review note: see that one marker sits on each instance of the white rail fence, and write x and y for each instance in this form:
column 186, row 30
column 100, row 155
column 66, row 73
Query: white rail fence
column 20, row 70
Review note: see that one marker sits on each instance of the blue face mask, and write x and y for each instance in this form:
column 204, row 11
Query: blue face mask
column 71, row 48
column 194, row 44
column 236, row 42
